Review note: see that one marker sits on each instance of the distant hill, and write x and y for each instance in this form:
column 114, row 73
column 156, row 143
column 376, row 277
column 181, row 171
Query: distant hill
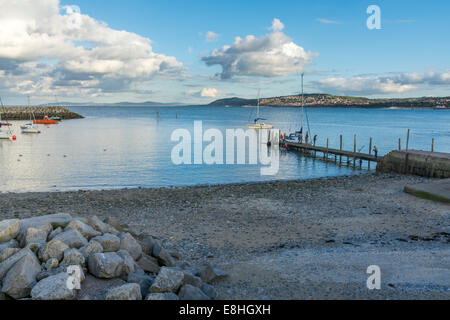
column 117, row 104
column 327, row 100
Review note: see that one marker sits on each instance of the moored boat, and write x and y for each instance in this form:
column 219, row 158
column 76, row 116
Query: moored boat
column 46, row 120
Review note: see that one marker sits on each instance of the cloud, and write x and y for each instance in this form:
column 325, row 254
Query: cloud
column 393, row 83
column 277, row 25
column 272, row 55
column 49, row 49
column 211, row 36
column 327, row 21
column 205, row 93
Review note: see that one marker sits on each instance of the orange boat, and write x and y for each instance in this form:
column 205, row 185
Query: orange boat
column 46, row 120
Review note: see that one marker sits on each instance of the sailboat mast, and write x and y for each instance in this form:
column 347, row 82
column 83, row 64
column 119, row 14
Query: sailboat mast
column 303, row 102
column 259, row 97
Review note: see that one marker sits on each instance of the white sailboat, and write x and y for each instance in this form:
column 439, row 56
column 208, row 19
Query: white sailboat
column 30, row 127
column 258, row 125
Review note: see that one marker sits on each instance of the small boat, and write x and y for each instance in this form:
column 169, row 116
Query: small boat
column 5, row 124
column 55, row 118
column 46, row 120
column 29, row 128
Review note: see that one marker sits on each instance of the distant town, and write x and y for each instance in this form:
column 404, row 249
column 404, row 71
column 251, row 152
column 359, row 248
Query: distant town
column 327, row 100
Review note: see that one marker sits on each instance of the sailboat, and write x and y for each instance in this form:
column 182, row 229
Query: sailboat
column 29, row 127
column 258, row 125
column 297, row 136
column 3, row 134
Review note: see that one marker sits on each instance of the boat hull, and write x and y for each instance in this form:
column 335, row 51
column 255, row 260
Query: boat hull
column 45, row 122
column 260, row 126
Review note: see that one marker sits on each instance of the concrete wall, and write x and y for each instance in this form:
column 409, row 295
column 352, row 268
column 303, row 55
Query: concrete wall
column 421, row 163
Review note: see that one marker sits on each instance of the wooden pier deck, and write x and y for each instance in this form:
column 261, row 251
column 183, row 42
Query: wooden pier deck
column 336, row 152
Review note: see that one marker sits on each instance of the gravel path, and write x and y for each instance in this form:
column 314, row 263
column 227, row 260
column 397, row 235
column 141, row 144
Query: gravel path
column 240, row 226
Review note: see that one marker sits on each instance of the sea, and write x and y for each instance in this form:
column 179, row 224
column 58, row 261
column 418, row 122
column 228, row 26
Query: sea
column 131, row 147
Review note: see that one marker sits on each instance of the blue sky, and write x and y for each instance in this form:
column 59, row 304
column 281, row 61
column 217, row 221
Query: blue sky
column 409, row 56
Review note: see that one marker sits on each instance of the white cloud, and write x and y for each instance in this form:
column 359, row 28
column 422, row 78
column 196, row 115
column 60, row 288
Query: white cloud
column 277, row 25
column 272, row 55
column 205, row 93
column 393, row 83
column 209, row 93
column 211, row 36
column 45, row 48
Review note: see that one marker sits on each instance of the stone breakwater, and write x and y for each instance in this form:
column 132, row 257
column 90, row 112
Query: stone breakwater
column 23, row 113
column 60, row 257
column 420, row 163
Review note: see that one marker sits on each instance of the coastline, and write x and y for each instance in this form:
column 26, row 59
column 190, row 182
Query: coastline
column 251, row 229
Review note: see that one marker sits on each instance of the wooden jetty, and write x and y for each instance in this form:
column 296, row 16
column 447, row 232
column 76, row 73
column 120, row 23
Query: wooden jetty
column 327, row 151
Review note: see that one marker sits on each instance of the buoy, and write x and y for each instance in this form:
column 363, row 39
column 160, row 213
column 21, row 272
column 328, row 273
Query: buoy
column 14, row 138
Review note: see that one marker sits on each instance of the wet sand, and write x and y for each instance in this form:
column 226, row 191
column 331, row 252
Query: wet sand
column 284, row 240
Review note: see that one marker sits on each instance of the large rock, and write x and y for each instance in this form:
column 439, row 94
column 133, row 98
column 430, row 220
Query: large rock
column 210, row 274
column 56, row 220
column 86, row 230
column 96, row 289
column 53, row 249
column 109, row 242
column 129, row 264
column 9, row 229
column 188, row 292
column 143, row 280
column 53, row 288
column 8, row 263
column 130, row 291
column 10, row 244
column 147, row 245
column 191, row 279
column 54, row 233
column 37, row 235
column 99, row 225
column 21, row 277
column 209, row 291
column 73, row 238
column 162, row 296
column 73, row 257
column 7, row 252
column 114, row 222
column 91, row 248
column 168, row 280
column 148, row 264
column 163, row 255
column 106, row 265
column 127, row 242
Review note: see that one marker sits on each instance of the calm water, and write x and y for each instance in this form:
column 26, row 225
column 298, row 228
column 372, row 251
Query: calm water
column 117, row 147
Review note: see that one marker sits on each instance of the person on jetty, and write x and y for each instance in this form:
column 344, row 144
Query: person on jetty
column 375, row 150
column 315, row 139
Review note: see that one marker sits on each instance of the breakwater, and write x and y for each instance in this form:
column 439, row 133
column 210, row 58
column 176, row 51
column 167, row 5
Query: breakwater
column 24, row 113
column 421, row 163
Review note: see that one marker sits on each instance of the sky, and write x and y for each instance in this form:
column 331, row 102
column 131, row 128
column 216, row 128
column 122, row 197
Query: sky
column 198, row 51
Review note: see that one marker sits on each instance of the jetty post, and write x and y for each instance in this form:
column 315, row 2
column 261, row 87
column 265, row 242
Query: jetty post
column 354, row 152
column 399, row 144
column 432, row 145
column 370, row 149
column 340, row 149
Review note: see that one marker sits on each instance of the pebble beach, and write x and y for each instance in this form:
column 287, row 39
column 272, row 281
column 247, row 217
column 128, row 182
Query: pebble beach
column 308, row 239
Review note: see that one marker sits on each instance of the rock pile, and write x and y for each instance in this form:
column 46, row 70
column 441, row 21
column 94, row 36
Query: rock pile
column 60, row 257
